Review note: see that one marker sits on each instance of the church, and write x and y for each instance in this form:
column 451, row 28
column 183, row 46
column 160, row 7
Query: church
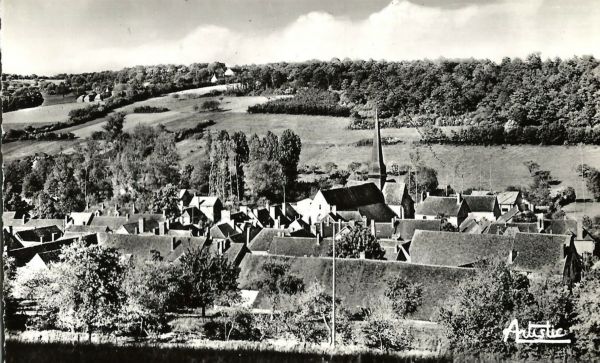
column 377, row 198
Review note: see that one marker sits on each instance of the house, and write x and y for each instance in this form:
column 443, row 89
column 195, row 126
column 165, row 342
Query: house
column 397, row 197
column 261, row 243
column 483, row 207
column 508, row 228
column 509, row 215
column 527, row 252
column 300, row 246
column 191, row 215
column 211, row 207
column 454, row 209
column 147, row 247
column 585, row 243
column 75, row 230
column 404, row 229
column 25, row 223
column 41, row 262
column 509, row 200
column 25, row 254
column 366, row 199
column 145, row 224
column 39, row 235
column 80, row 218
column 359, row 281
column 112, row 223
column 222, row 231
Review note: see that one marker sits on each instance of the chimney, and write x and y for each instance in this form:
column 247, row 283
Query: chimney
column 173, row 244
column 247, row 235
column 53, row 236
column 168, row 223
column 373, row 229
column 162, row 228
column 278, row 222
column 136, row 231
column 126, row 217
column 272, row 212
column 165, row 213
column 321, row 228
column 141, row 225
column 458, row 198
column 318, row 238
column 23, row 219
column 41, row 239
column 333, row 209
column 364, row 221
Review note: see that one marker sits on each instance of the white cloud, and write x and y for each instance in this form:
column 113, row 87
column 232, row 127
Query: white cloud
column 402, row 30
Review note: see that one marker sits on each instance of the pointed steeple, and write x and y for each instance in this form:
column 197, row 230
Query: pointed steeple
column 377, row 170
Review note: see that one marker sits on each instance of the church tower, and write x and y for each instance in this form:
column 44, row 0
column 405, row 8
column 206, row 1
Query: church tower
column 377, row 172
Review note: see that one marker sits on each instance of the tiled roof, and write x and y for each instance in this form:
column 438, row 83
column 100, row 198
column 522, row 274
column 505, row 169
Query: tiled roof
column 508, row 216
column 539, row 251
column 24, row 255
column 222, row 231
column 113, row 223
column 561, row 226
column 508, row 197
column 350, row 215
column 433, row 206
column 500, row 228
column 379, row 212
column 85, row 229
column 140, row 245
column 43, row 234
column 456, row 249
column 483, row 203
column 404, row 229
column 393, row 192
column 358, row 281
column 349, row 198
column 33, row 223
column 299, row 246
column 80, row 218
column 262, row 241
column 205, row 201
column 478, row 193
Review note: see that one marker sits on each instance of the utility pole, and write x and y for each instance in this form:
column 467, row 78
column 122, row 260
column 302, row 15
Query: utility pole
column 582, row 178
column 333, row 294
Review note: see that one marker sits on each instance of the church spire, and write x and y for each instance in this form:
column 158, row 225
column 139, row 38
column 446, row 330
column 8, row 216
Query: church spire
column 377, row 170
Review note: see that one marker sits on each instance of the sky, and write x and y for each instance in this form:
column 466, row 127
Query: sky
column 52, row 36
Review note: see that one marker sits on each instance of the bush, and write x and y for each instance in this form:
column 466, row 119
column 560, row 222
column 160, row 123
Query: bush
column 149, row 109
column 210, row 105
column 305, row 102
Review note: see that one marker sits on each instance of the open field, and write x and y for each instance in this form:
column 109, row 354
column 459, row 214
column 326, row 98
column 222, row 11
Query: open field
column 328, row 139
column 39, row 116
column 50, row 100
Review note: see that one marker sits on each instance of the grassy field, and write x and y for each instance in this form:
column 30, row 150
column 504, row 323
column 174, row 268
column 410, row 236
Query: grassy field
column 38, row 116
column 327, row 139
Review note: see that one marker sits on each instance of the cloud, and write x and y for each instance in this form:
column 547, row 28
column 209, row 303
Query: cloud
column 402, row 30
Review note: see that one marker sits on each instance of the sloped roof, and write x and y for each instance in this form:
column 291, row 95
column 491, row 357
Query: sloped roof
column 393, row 192
column 205, row 201
column 81, row 217
column 350, row 215
column 404, row 229
column 50, row 256
column 34, row 235
column 433, row 206
column 300, row 246
column 25, row 254
column 508, row 197
column 478, row 193
column 482, row 203
column 350, row 198
column 379, row 212
column 456, row 249
column 506, row 217
column 32, row 223
column 500, row 228
column 223, row 231
column 113, row 223
column 149, row 226
column 140, row 245
column 10, row 242
column 357, row 281
column 561, row 226
column 262, row 241
column 539, row 251
column 75, row 228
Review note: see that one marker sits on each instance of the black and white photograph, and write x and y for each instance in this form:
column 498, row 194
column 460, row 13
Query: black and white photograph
column 300, row 181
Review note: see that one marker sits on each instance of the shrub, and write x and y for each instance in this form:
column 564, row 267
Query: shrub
column 149, row 109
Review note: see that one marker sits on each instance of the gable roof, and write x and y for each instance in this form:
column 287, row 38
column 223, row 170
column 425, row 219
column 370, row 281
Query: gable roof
column 378, row 212
column 140, row 245
column 394, row 192
column 81, row 218
column 357, row 281
column 404, row 229
column 433, row 206
column 262, row 241
column 540, row 251
column 456, row 249
column 478, row 193
column 561, row 226
column 25, row 254
column 300, row 246
column 113, row 223
column 501, row 228
column 32, row 223
column 480, row 203
column 43, row 234
column 508, row 197
column 205, row 201
column 77, row 228
column 222, row 231
column 508, row 216
column 349, row 198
